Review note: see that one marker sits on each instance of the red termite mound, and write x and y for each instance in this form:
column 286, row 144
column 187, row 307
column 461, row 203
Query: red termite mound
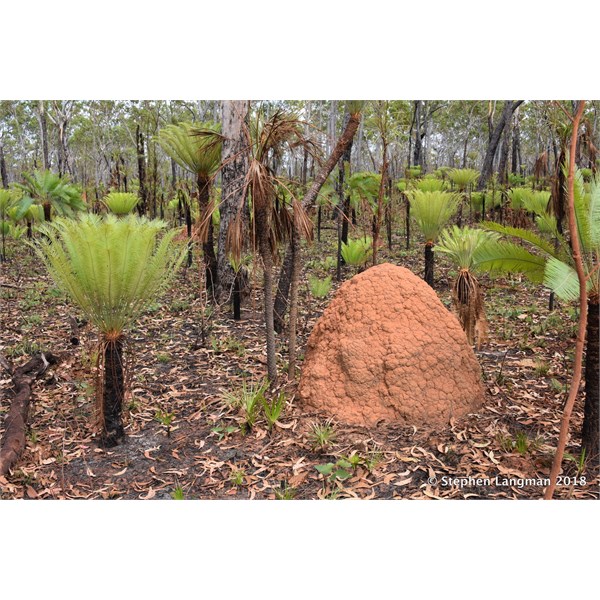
column 387, row 349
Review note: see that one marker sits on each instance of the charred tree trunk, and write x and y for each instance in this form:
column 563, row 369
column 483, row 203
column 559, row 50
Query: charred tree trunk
column 285, row 275
column 295, row 247
column 407, row 202
column 234, row 159
column 141, row 158
column 208, row 248
column 486, row 171
column 591, row 426
column 3, row 174
column 188, row 225
column 506, row 143
column 113, row 394
column 429, row 263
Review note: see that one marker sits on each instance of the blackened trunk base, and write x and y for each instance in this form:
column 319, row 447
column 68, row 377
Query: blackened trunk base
column 429, row 264
column 589, row 433
column 113, row 393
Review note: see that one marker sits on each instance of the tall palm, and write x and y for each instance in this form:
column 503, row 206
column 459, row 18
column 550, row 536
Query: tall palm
column 197, row 149
column 431, row 211
column 52, row 192
column 111, row 268
column 272, row 220
column 552, row 264
column 461, row 246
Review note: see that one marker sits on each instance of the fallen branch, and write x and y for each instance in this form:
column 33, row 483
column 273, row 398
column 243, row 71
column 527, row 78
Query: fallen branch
column 13, row 440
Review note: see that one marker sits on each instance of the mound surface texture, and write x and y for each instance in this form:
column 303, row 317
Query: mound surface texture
column 387, row 349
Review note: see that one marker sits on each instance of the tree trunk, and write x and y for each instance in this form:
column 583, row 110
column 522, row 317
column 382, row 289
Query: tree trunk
column 141, row 158
column 237, row 297
column 295, row 247
column 43, row 121
column 308, row 201
column 188, row 227
column 429, row 263
column 407, row 202
column 591, row 425
column 113, row 394
column 267, row 259
column 3, row 174
column 486, row 171
column 208, row 248
column 503, row 165
column 234, row 160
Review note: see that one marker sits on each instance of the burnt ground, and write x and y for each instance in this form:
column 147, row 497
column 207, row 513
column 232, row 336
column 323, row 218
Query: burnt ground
column 186, row 440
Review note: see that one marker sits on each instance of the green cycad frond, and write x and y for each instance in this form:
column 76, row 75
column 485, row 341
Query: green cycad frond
column 364, row 186
column 120, row 203
column 594, row 211
column 518, row 197
column 194, row 147
column 112, row 268
column 536, row 201
column 523, row 234
column 461, row 244
column 463, row 178
column 562, row 279
column 48, row 187
column 431, row 184
column 432, row 211
column 507, row 257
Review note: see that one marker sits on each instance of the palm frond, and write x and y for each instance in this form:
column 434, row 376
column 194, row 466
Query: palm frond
column 432, row 211
column 561, row 279
column 460, row 244
column 120, row 203
column 522, row 234
column 111, row 268
column 507, row 257
column 463, row 178
column 194, row 147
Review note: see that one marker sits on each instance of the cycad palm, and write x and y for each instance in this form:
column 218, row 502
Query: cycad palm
column 111, row 268
column 197, row 148
column 52, row 192
column 461, row 246
column 554, row 266
column 120, row 203
column 431, row 211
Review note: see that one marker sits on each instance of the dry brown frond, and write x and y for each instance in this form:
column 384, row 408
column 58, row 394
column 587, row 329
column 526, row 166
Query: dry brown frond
column 467, row 300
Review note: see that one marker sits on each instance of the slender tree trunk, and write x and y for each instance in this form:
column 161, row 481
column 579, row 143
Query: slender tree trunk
column 267, row 259
column 295, row 247
column 377, row 220
column 113, row 394
column 308, row 201
column 506, row 142
column 591, row 425
column 43, row 121
column 208, row 248
column 3, row 174
column 407, row 204
column 234, row 160
column 141, row 158
column 237, row 297
column 429, row 263
column 486, row 171
column 583, row 306
column 188, row 225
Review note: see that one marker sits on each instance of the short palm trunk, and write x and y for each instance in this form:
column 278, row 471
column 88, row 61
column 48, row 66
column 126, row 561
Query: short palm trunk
column 429, row 264
column 591, row 427
column 112, row 394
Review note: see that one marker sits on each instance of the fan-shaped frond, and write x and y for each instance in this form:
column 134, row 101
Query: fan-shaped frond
column 121, row 203
column 522, row 234
column 110, row 267
column 507, row 257
column 432, row 211
column 194, row 147
column 463, row 178
column 461, row 244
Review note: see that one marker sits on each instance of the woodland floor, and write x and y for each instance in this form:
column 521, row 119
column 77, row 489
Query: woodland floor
column 207, row 453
